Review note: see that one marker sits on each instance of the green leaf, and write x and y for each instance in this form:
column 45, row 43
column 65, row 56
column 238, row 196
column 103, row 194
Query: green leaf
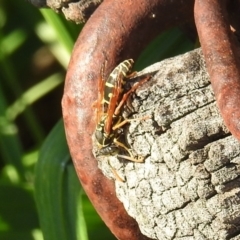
column 57, row 190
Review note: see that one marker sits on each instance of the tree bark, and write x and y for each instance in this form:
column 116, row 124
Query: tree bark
column 189, row 184
column 73, row 10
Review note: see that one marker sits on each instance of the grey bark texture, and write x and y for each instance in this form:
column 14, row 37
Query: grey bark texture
column 188, row 187
column 73, row 10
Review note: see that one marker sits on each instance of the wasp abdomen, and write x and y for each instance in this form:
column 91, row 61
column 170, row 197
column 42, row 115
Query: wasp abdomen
column 120, row 72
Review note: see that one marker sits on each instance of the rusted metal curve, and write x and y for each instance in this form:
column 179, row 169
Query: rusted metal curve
column 116, row 31
column 221, row 58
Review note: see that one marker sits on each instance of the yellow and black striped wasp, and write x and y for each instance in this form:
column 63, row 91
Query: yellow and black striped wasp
column 111, row 98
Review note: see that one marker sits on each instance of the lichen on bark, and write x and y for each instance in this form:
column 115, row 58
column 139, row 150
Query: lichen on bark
column 188, row 185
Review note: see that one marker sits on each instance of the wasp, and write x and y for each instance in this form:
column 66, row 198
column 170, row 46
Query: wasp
column 111, row 98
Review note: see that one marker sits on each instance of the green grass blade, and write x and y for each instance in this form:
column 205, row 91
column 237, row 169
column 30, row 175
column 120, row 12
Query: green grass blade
column 57, row 189
column 58, row 34
column 61, row 31
column 33, row 94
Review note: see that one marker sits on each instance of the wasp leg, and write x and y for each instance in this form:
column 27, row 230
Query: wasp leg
column 115, row 173
column 132, row 75
column 131, row 158
column 120, row 124
column 140, row 159
column 126, row 95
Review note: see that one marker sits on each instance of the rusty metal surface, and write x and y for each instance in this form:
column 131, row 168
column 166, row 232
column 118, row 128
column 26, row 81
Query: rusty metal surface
column 221, row 57
column 113, row 33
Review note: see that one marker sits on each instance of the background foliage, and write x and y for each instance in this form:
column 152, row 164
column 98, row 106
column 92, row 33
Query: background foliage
column 40, row 196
